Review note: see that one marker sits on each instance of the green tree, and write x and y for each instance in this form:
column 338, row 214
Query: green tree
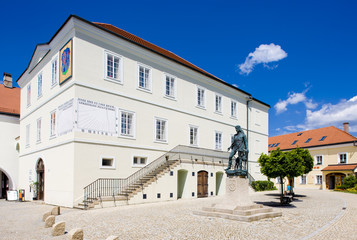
column 274, row 166
column 286, row 164
column 300, row 162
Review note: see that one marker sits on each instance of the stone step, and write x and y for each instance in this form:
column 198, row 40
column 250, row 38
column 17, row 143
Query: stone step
column 243, row 218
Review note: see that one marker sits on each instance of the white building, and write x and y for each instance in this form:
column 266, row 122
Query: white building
column 98, row 102
column 10, row 131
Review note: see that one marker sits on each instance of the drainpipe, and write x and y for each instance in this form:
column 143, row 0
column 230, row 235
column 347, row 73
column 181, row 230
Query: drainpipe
column 249, row 99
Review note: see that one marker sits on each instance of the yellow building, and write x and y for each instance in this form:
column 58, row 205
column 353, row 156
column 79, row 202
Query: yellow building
column 334, row 152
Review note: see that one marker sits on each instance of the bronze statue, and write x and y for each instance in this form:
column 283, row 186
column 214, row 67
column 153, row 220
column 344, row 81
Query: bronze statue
column 240, row 145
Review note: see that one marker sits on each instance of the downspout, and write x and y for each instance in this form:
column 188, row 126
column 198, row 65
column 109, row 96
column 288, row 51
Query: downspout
column 249, row 99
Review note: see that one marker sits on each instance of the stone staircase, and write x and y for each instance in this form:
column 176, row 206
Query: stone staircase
column 121, row 196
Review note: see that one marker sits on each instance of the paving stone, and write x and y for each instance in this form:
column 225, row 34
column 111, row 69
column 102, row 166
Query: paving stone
column 112, row 238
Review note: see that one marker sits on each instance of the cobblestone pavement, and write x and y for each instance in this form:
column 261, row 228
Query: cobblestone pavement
column 316, row 214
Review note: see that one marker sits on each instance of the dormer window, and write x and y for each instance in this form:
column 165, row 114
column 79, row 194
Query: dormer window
column 294, row 142
column 299, row 134
column 308, row 140
column 323, row 138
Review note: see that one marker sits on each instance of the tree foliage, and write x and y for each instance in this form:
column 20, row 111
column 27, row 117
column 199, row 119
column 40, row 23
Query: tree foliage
column 289, row 164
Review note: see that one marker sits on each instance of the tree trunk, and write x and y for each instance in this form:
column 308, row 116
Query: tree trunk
column 282, row 190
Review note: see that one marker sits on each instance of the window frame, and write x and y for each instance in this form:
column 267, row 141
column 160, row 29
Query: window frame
column 39, row 86
column 55, row 75
column 220, row 146
column 53, row 124
column 317, row 177
column 101, row 166
column 303, row 179
column 133, row 124
column 194, row 143
column 317, row 159
column 219, row 96
column 119, row 79
column 339, row 157
column 149, row 80
column 28, row 94
column 174, row 86
column 165, row 134
column 38, row 130
column 201, row 101
column 139, row 165
column 234, row 111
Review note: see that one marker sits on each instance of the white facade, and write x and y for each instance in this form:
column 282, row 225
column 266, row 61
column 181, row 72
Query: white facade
column 87, row 139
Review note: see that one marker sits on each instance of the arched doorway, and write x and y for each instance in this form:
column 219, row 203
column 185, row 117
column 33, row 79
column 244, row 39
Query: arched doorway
column 181, row 182
column 40, row 170
column 4, row 181
column 219, row 177
column 202, row 184
column 334, row 179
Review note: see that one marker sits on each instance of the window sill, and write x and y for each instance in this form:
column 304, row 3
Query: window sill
column 201, row 107
column 54, row 85
column 107, row 168
column 138, row 165
column 170, row 97
column 219, row 113
column 144, row 90
column 114, row 80
column 161, row 141
column 52, row 137
column 127, row 137
column 233, row 117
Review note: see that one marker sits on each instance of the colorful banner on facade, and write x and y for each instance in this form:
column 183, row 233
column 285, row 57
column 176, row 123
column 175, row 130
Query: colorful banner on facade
column 66, row 61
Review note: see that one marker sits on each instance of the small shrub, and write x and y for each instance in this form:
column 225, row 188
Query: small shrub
column 349, row 182
column 263, row 185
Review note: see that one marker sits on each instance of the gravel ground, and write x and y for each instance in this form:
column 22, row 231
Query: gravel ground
column 315, row 214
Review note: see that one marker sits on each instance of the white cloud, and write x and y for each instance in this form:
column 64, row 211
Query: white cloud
column 263, row 54
column 333, row 114
column 294, row 98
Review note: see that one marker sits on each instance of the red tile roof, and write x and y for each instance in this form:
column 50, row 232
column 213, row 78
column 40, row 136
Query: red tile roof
column 340, row 167
column 9, row 100
column 146, row 44
column 332, row 135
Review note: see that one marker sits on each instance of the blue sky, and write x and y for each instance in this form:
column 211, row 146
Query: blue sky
column 297, row 56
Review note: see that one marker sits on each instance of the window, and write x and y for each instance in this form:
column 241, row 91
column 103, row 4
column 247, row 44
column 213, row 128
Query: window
column 299, row 134
column 53, row 124
column 342, row 157
column 323, row 138
column 303, row 179
column 38, row 139
column 233, row 109
column 318, row 179
column 318, row 160
column 294, row 142
column 27, row 135
column 276, row 144
column 201, row 97
column 39, row 85
column 141, row 161
column 127, row 120
column 161, row 130
column 54, row 73
column 29, row 94
column 218, row 141
column 170, row 89
column 144, row 81
column 193, row 135
column 218, row 104
column 107, row 162
column 308, row 140
column 113, row 70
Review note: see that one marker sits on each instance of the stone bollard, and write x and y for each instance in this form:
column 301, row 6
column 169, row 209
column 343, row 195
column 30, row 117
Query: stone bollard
column 112, row 238
column 76, row 234
column 46, row 215
column 50, row 221
column 56, row 211
column 58, row 228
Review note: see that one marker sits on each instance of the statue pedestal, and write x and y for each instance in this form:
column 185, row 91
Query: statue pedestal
column 237, row 204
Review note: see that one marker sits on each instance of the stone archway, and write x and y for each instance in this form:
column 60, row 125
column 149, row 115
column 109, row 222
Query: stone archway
column 181, row 183
column 219, row 177
column 6, row 183
column 334, row 179
column 40, row 170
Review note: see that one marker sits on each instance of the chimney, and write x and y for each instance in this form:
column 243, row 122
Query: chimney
column 7, row 80
column 346, row 127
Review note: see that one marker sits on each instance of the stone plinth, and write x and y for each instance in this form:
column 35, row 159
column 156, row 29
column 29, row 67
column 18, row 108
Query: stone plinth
column 237, row 204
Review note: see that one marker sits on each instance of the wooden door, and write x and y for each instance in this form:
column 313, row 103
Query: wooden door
column 202, row 184
column 40, row 169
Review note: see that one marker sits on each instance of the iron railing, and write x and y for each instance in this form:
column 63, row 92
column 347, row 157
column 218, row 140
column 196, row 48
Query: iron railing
column 124, row 186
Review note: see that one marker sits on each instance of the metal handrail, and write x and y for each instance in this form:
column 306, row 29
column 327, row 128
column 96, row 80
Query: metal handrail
column 121, row 186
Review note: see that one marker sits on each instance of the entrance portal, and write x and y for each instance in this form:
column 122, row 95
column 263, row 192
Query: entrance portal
column 4, row 180
column 202, row 184
column 334, row 180
column 40, row 170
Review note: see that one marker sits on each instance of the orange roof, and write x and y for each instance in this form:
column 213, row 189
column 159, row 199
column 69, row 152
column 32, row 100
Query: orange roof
column 340, row 167
column 311, row 138
column 9, row 100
